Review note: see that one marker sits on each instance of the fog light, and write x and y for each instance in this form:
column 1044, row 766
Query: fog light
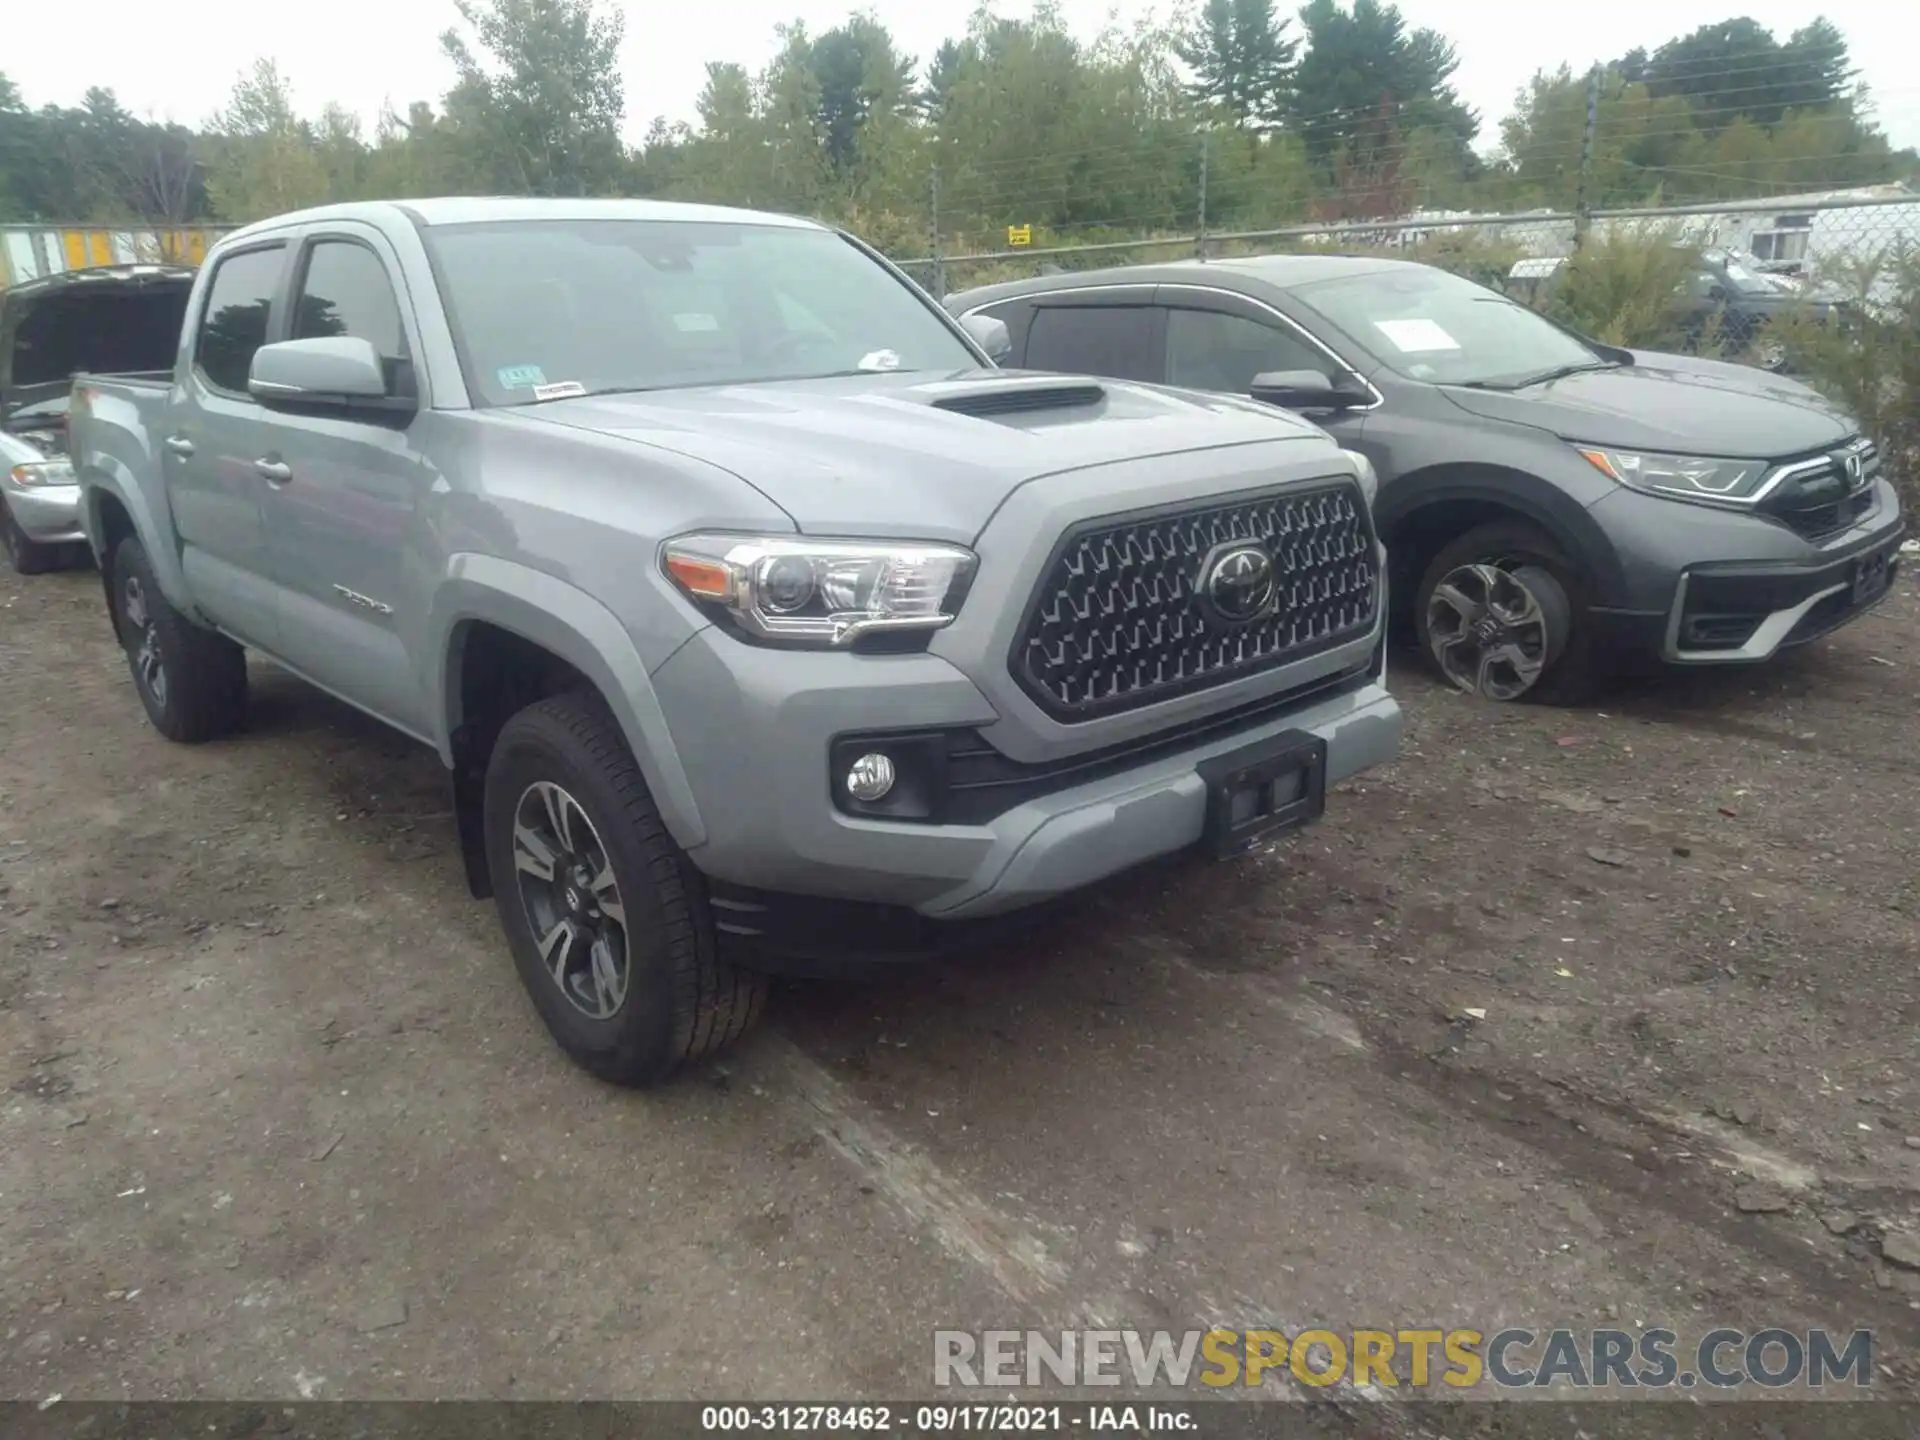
column 871, row 777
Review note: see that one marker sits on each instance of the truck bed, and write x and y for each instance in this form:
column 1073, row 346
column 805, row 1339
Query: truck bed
column 115, row 424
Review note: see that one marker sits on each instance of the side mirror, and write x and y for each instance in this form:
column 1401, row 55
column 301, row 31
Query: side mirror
column 990, row 335
column 1301, row 390
column 1717, row 292
column 340, row 372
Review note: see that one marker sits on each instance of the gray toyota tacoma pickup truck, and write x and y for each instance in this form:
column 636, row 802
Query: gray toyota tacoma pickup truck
column 759, row 619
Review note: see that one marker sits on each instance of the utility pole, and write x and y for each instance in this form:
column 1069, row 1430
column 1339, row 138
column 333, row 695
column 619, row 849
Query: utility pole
column 1581, row 208
column 1200, row 241
column 939, row 269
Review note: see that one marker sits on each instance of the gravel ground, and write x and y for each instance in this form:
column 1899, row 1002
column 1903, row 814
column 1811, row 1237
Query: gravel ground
column 1581, row 1018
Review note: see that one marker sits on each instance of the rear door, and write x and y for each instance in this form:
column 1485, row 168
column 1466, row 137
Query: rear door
column 345, row 489
column 1115, row 333
column 213, row 435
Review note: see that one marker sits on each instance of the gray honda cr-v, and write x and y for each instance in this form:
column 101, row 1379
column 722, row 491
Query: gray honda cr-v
column 1551, row 504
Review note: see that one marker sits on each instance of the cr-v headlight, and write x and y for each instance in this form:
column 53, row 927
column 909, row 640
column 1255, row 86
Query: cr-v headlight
column 1685, row 477
column 821, row 594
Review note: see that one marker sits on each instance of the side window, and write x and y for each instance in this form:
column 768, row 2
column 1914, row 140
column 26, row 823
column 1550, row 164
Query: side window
column 1210, row 350
column 1111, row 340
column 346, row 292
column 234, row 324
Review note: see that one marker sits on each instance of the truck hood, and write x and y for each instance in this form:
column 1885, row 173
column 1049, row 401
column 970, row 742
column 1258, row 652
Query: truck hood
column 1678, row 403
column 916, row 455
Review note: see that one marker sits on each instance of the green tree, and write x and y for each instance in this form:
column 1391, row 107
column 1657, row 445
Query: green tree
column 264, row 162
column 1736, row 70
column 1366, row 81
column 538, row 108
column 863, row 80
column 1241, row 58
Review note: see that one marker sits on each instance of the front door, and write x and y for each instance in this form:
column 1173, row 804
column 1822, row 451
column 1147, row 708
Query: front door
column 343, row 493
column 1221, row 342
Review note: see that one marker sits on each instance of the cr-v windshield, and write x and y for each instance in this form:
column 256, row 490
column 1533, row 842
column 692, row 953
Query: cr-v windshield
column 1433, row 326
column 546, row 308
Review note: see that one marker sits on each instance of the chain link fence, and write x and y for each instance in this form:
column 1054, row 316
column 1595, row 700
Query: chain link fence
column 1785, row 242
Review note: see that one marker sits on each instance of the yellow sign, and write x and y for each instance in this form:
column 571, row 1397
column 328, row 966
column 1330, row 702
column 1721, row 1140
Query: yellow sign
column 1019, row 235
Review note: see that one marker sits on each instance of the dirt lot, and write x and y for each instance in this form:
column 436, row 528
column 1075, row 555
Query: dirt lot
column 1564, row 1018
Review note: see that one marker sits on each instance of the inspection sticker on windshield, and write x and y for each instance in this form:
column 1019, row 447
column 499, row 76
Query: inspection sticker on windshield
column 519, row 377
column 559, row 390
column 880, row 360
column 1411, row 337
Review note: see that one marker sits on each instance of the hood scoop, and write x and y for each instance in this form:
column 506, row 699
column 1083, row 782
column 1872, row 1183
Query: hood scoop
column 1021, row 398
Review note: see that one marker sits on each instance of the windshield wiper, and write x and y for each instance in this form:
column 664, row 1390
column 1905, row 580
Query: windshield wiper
column 1559, row 372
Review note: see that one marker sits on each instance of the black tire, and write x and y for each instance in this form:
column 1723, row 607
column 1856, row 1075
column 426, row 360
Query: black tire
column 201, row 690
column 1568, row 676
column 26, row 555
column 679, row 1002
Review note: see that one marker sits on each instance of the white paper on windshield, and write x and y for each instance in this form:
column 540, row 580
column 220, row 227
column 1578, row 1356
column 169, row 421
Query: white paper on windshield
column 560, row 390
column 1414, row 337
column 880, row 360
column 688, row 324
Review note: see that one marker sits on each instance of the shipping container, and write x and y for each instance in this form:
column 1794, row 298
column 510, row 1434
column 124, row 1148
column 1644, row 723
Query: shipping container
column 32, row 252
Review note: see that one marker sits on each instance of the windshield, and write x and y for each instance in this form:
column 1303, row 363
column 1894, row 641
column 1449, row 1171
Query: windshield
column 545, row 309
column 1428, row 325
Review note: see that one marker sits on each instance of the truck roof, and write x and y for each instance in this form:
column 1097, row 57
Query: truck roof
column 481, row 209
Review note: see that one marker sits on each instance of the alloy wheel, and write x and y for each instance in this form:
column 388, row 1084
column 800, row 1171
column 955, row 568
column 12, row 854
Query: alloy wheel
column 572, row 901
column 1489, row 631
column 147, row 665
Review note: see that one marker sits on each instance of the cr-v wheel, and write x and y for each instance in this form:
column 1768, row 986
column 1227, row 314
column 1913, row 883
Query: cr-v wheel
column 607, row 919
column 1501, row 614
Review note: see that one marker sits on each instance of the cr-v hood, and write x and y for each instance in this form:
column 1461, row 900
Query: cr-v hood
column 915, row 455
column 1673, row 402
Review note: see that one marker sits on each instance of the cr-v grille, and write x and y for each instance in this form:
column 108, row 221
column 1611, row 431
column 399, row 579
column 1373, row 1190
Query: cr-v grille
column 1115, row 622
column 1822, row 497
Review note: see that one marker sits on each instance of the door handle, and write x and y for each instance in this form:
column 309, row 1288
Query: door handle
column 178, row 444
column 275, row 471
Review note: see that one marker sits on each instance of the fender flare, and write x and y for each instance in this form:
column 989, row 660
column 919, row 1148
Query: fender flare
column 1527, row 496
column 104, row 477
column 568, row 622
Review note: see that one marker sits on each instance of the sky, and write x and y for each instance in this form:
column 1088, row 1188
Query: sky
column 369, row 53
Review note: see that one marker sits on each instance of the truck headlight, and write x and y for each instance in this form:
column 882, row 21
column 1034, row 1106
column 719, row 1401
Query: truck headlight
column 1685, row 477
column 36, row 473
column 821, row 594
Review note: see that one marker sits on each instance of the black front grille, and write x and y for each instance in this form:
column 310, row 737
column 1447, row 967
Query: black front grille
column 1115, row 623
column 1824, row 500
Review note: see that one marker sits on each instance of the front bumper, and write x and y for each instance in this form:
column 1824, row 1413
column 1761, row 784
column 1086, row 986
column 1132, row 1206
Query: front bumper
column 1709, row 587
column 48, row 514
column 1731, row 614
column 755, row 728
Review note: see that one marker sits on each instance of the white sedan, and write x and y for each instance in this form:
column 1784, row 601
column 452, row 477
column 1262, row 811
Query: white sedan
column 39, row 508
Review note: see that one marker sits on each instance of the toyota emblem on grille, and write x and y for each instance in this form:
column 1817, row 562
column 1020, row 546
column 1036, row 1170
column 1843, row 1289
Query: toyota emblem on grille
column 1237, row 581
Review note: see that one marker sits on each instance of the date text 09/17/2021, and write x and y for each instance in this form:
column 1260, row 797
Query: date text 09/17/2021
column 946, row 1419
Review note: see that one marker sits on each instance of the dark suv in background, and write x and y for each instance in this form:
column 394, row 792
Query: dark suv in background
column 1550, row 504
